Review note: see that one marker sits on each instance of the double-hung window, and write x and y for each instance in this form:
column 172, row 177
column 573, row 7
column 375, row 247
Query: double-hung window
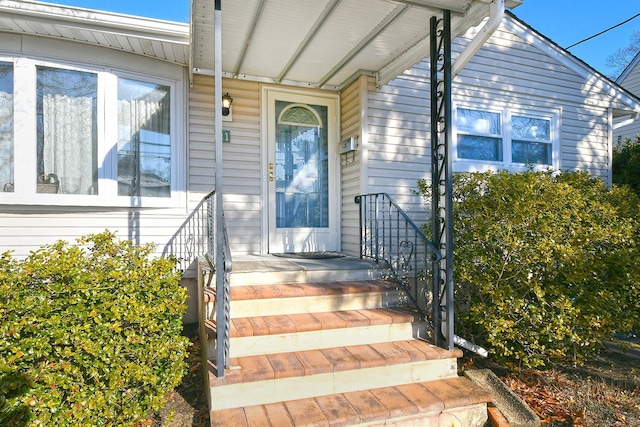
column 86, row 137
column 7, row 163
column 504, row 139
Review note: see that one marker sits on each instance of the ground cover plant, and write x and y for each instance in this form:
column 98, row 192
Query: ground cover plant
column 90, row 334
column 545, row 264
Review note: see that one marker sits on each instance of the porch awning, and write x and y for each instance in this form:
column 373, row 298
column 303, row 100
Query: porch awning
column 323, row 43
column 164, row 40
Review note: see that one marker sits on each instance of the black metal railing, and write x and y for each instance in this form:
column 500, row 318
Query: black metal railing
column 388, row 235
column 195, row 238
column 222, row 301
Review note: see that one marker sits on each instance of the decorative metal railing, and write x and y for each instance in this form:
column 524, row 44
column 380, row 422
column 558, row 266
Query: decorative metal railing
column 222, row 302
column 388, row 235
column 195, row 238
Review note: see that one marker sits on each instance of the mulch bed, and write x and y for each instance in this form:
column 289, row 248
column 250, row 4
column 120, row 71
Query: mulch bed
column 603, row 391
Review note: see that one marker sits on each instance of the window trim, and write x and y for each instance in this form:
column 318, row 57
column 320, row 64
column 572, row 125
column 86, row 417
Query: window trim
column 506, row 113
column 25, row 154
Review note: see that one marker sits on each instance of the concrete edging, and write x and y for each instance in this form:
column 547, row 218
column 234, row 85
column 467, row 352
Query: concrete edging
column 517, row 413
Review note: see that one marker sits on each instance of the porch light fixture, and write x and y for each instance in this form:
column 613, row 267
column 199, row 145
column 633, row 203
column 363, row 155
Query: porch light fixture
column 226, row 104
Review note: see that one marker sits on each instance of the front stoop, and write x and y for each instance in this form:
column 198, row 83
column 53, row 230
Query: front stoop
column 336, row 353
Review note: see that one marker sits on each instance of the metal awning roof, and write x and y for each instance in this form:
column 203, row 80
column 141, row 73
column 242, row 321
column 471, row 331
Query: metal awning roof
column 168, row 41
column 323, row 43
column 314, row 43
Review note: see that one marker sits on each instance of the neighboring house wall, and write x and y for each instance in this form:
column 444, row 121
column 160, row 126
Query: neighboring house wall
column 630, row 80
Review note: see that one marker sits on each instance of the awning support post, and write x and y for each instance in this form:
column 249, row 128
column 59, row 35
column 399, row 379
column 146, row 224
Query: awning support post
column 221, row 321
column 441, row 185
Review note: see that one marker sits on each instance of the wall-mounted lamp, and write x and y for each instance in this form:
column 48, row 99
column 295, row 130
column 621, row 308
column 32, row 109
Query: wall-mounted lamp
column 226, row 104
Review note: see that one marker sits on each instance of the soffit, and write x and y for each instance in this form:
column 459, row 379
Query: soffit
column 323, row 43
column 164, row 40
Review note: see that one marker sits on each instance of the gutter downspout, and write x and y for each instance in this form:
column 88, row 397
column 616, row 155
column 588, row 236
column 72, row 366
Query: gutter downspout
column 496, row 13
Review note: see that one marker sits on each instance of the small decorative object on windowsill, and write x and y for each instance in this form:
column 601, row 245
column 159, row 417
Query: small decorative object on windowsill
column 48, row 183
column 8, row 187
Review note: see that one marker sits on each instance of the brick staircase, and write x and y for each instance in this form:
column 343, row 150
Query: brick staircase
column 328, row 342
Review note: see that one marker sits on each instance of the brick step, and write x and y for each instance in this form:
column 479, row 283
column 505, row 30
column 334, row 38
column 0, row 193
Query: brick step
column 451, row 402
column 307, row 331
column 268, row 378
column 306, row 322
column 282, row 299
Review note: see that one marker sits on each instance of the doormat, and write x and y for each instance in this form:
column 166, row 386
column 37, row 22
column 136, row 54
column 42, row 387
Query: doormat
column 311, row 255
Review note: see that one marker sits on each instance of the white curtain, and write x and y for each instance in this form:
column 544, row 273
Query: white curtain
column 69, row 143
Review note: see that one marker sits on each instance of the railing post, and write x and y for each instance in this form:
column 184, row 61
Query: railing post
column 442, row 199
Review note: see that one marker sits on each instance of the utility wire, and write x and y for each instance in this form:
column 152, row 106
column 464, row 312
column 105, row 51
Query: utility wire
column 602, row 32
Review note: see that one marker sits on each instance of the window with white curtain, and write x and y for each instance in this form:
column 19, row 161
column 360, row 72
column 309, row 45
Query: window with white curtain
column 6, row 127
column 87, row 136
column 492, row 139
column 66, row 111
column 144, row 139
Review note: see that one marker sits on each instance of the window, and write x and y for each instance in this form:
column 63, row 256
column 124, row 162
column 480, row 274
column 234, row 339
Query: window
column 502, row 139
column 96, row 137
column 479, row 135
column 6, row 127
column 144, row 139
column 66, row 112
column 531, row 140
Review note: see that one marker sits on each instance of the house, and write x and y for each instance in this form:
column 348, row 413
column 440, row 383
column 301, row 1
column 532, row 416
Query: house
column 630, row 80
column 121, row 125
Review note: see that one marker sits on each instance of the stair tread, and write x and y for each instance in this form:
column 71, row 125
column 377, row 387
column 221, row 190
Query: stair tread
column 328, row 360
column 307, row 322
column 289, row 290
column 358, row 406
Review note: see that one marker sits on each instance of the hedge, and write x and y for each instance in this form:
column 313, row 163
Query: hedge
column 90, row 333
column 545, row 265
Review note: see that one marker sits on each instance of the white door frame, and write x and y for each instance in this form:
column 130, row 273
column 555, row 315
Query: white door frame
column 268, row 95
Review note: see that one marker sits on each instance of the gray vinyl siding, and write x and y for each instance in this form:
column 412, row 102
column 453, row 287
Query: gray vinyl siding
column 350, row 166
column 507, row 72
column 242, row 165
column 399, row 139
column 532, row 80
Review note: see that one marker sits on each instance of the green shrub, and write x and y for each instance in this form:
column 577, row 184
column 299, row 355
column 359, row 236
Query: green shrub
column 545, row 265
column 90, row 334
column 626, row 163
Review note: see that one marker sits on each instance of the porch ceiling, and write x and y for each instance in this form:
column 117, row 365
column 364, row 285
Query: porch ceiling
column 323, row 43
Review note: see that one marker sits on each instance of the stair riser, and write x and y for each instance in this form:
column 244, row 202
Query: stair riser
column 271, row 391
column 304, row 276
column 468, row 416
column 316, row 304
column 301, row 341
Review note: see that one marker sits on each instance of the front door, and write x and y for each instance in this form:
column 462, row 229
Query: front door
column 302, row 181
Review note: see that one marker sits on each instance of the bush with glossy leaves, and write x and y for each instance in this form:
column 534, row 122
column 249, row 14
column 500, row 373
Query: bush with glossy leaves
column 90, row 333
column 546, row 265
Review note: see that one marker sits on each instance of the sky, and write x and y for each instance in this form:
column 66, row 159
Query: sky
column 563, row 21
